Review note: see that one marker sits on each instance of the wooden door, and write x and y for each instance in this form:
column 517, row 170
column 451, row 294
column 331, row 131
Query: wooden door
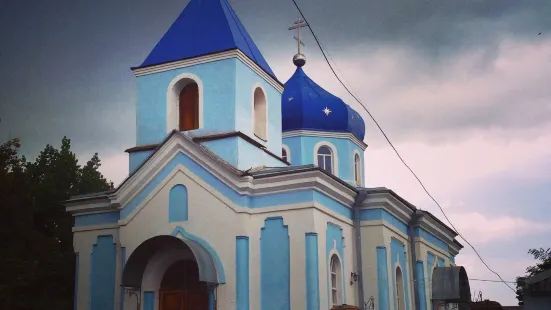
column 189, row 107
column 172, row 300
column 196, row 300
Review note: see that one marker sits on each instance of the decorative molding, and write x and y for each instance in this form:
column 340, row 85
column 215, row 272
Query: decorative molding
column 234, row 53
column 173, row 101
column 244, row 185
column 325, row 134
column 334, row 156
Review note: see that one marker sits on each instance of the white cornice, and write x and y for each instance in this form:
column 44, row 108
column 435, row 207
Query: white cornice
column 312, row 133
column 245, row 185
column 211, row 58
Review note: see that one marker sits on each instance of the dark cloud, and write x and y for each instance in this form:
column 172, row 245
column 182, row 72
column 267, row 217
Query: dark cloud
column 65, row 65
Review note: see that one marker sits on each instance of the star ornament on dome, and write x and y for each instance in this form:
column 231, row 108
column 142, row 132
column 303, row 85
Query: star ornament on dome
column 326, row 111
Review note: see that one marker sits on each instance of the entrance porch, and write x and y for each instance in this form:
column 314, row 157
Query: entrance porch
column 169, row 273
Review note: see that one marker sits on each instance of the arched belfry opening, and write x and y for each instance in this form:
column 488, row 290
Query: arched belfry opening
column 188, row 106
column 172, row 274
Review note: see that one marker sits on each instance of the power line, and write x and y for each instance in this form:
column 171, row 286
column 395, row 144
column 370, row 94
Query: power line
column 486, row 280
column 395, row 150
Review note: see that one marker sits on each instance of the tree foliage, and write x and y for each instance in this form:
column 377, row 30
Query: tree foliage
column 37, row 261
column 543, row 256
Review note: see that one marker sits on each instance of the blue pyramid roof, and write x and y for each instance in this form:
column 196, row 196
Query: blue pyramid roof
column 205, row 27
column 304, row 104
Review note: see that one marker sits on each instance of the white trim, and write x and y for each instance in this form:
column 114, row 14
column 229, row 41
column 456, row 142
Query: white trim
column 210, row 58
column 288, row 150
column 340, row 291
column 262, row 140
column 398, row 266
column 172, row 102
column 312, row 133
column 361, row 176
column 95, row 227
column 334, row 156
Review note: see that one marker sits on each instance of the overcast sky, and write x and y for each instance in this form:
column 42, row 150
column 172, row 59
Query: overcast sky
column 461, row 87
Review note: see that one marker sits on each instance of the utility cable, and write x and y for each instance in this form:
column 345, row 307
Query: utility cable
column 395, row 150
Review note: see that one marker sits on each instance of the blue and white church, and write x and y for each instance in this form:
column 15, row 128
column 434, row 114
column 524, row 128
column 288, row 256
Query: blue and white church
column 248, row 194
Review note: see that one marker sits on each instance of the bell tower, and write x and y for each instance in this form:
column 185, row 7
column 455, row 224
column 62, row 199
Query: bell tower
column 207, row 78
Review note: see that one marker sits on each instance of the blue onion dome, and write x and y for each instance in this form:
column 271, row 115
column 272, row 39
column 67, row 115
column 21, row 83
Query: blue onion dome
column 307, row 106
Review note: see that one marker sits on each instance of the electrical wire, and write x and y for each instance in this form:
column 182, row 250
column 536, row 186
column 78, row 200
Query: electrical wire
column 486, row 280
column 394, row 148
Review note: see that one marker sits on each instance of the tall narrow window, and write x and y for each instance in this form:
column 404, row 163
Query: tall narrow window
column 188, row 107
column 400, row 299
column 325, row 158
column 336, row 283
column 259, row 114
column 284, row 154
column 357, row 169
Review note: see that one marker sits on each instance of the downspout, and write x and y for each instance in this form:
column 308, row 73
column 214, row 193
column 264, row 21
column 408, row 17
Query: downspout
column 413, row 259
column 360, row 197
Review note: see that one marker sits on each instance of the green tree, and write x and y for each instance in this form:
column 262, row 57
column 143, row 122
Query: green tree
column 37, row 260
column 543, row 256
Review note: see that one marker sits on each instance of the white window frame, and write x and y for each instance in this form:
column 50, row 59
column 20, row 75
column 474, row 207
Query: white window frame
column 173, row 100
column 334, row 154
column 358, row 175
column 260, row 135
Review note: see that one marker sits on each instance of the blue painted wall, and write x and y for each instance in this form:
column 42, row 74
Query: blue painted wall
column 218, row 80
column 226, row 148
column 102, row 274
column 302, row 153
column 333, row 234
column 212, row 299
column 382, row 279
column 242, row 273
column 275, row 277
column 420, row 232
column 246, row 79
column 383, row 215
column 123, row 263
column 312, row 272
column 398, row 255
column 431, row 260
column 227, row 106
column 178, row 204
column 237, row 198
column 441, row 262
column 421, row 285
column 252, row 156
column 135, row 159
column 148, row 300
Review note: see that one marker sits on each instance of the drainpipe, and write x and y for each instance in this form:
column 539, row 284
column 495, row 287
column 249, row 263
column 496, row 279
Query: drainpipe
column 360, row 197
column 413, row 259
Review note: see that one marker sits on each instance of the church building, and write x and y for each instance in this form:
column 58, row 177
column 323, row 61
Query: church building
column 245, row 193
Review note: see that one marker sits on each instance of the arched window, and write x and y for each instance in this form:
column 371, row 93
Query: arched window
column 178, row 204
column 259, row 114
column 400, row 299
column 325, row 158
column 336, row 280
column 286, row 153
column 188, row 107
column 357, row 169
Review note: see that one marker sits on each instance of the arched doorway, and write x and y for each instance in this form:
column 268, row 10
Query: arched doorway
column 172, row 273
column 181, row 289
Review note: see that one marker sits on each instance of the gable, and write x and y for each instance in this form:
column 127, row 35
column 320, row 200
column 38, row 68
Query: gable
column 236, row 189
